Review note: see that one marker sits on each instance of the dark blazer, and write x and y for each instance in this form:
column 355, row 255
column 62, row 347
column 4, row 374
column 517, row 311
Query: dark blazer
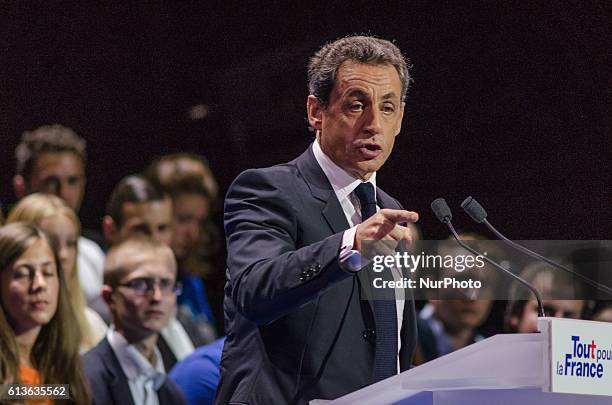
column 294, row 321
column 109, row 385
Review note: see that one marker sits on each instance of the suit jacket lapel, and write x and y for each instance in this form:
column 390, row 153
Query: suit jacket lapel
column 167, row 396
column 119, row 388
column 321, row 190
column 384, row 200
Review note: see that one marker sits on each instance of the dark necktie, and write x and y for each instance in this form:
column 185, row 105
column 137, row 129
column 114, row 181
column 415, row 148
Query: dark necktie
column 385, row 312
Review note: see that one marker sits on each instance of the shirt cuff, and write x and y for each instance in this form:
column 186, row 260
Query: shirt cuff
column 349, row 258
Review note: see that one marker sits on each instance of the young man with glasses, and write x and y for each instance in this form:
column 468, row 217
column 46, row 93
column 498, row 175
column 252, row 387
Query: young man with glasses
column 140, row 289
column 137, row 207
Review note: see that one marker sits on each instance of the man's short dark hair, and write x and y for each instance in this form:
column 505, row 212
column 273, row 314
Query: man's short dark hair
column 53, row 138
column 323, row 66
column 134, row 189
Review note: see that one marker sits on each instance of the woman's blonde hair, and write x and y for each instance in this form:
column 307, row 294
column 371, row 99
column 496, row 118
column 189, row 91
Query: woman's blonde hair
column 34, row 209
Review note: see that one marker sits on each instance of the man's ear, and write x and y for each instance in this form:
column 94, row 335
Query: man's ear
column 401, row 117
column 111, row 232
column 19, row 186
column 315, row 108
column 107, row 295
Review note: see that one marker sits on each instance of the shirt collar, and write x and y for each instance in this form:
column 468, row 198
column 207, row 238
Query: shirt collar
column 341, row 181
column 134, row 364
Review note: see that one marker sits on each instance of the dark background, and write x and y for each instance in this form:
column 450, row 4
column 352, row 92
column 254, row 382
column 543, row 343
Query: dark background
column 511, row 101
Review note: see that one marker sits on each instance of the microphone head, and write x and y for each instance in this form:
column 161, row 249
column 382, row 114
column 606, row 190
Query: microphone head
column 441, row 210
column 474, row 209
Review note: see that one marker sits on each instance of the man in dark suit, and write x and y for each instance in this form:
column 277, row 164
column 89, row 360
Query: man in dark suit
column 140, row 289
column 296, row 326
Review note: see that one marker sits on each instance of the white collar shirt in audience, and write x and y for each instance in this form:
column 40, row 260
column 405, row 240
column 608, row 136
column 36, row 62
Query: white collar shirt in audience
column 143, row 378
column 90, row 265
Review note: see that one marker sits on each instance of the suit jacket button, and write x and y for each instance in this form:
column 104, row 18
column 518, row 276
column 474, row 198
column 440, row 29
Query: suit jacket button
column 368, row 335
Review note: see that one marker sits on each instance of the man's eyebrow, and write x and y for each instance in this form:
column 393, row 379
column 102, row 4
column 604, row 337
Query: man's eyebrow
column 389, row 96
column 357, row 93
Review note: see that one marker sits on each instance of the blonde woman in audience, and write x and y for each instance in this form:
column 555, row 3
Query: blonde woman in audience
column 54, row 217
column 39, row 342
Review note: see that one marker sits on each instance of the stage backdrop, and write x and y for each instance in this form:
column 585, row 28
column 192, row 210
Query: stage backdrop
column 511, row 101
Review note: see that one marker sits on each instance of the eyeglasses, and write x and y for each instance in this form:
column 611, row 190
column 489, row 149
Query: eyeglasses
column 143, row 286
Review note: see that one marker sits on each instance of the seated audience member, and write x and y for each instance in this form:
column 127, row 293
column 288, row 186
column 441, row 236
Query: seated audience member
column 451, row 321
column 594, row 260
column 54, row 217
column 192, row 203
column 602, row 311
column 39, row 342
column 553, row 284
column 140, row 289
column 136, row 207
column 170, row 166
column 205, row 258
column 51, row 159
column 198, row 374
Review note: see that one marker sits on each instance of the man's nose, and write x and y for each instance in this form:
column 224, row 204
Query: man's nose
column 157, row 292
column 373, row 124
column 64, row 191
column 194, row 231
column 53, row 186
column 157, row 236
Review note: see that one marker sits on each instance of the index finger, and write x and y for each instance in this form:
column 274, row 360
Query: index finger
column 397, row 216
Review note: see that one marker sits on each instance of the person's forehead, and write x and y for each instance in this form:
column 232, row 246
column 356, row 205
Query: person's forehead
column 160, row 210
column 38, row 252
column 191, row 202
column 146, row 263
column 353, row 74
column 59, row 224
column 66, row 163
column 190, row 197
column 575, row 305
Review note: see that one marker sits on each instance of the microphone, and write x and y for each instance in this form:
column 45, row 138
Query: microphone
column 443, row 213
column 479, row 215
column 442, row 210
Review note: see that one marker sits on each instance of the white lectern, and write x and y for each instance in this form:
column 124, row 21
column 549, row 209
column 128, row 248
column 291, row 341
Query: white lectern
column 509, row 370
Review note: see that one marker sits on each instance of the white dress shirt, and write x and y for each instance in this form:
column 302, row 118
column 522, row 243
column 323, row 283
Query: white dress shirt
column 144, row 379
column 344, row 185
column 90, row 265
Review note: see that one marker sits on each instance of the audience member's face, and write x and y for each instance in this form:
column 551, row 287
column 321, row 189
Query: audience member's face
column 528, row 322
column 458, row 315
column 30, row 288
column 151, row 218
column 65, row 231
column 61, row 174
column 190, row 209
column 605, row 315
column 141, row 314
column 364, row 115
